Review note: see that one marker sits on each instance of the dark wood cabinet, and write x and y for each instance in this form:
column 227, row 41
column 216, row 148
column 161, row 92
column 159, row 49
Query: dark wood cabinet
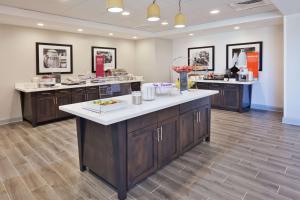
column 217, row 100
column 43, row 107
column 141, row 154
column 92, row 93
column 187, row 130
column 63, row 97
column 45, row 104
column 78, row 95
column 233, row 97
column 168, row 141
column 201, row 125
column 127, row 152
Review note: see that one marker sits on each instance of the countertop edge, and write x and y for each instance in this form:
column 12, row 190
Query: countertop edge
column 64, row 87
column 76, row 111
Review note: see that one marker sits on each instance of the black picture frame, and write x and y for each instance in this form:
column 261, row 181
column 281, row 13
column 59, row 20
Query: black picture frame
column 104, row 48
column 38, row 67
column 260, row 43
column 203, row 47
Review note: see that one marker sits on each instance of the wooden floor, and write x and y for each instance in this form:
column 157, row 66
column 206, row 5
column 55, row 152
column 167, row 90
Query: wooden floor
column 251, row 156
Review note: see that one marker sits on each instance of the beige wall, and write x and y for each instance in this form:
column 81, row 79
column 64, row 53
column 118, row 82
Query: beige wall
column 153, row 59
column 17, row 59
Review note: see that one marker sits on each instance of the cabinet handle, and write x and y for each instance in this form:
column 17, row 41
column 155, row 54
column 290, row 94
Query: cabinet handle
column 199, row 114
column 158, row 137
column 54, row 100
column 161, row 133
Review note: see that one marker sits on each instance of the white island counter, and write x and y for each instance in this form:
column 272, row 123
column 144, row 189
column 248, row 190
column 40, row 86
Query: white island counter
column 131, row 111
column 125, row 146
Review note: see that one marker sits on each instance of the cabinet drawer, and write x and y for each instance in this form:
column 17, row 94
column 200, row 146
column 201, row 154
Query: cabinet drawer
column 45, row 94
column 63, row 92
column 168, row 113
column 231, row 86
column 78, row 90
column 204, row 86
column 141, row 122
column 193, row 104
column 94, row 89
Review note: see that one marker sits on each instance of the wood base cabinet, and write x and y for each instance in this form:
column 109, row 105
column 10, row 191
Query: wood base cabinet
column 232, row 97
column 125, row 153
column 42, row 107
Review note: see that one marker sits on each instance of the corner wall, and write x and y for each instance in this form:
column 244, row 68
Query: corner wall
column 292, row 70
column 268, row 91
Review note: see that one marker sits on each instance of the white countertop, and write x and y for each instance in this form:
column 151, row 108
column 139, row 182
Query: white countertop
column 23, row 87
column 132, row 111
column 226, row 82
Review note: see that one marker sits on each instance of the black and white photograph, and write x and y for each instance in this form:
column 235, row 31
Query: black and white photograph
column 54, row 58
column 202, row 57
column 236, row 53
column 110, row 55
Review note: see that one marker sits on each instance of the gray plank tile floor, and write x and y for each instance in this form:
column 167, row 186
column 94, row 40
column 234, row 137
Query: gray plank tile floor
column 251, row 156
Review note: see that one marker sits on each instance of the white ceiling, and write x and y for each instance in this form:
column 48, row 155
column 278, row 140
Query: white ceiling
column 197, row 11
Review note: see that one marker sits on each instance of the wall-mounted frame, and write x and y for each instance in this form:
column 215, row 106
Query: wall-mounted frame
column 202, row 57
column 233, row 51
column 110, row 55
column 54, row 58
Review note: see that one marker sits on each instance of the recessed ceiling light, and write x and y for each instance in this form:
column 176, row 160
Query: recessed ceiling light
column 125, row 13
column 111, row 34
column 80, row 30
column 40, row 24
column 134, row 37
column 164, row 23
column 237, row 28
column 215, row 12
column 191, row 34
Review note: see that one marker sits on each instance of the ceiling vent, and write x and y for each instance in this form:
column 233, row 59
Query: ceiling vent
column 241, row 5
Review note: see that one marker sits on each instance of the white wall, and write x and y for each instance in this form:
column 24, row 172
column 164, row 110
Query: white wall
column 292, row 70
column 17, row 59
column 268, row 92
column 154, row 59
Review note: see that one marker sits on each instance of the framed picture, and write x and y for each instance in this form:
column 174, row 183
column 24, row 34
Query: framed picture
column 110, row 55
column 233, row 52
column 202, row 57
column 54, row 58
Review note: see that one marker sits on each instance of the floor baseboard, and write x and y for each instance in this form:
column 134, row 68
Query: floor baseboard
column 9, row 121
column 266, row 108
column 290, row 121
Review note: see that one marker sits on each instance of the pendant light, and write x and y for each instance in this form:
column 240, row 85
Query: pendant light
column 180, row 19
column 153, row 12
column 115, row 6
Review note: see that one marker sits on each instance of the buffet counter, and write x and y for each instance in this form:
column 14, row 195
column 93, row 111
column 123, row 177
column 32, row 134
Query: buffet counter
column 40, row 105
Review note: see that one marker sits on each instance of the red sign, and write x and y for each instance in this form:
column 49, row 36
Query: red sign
column 100, row 66
column 253, row 63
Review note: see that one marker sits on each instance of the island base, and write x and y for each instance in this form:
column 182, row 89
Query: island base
column 125, row 153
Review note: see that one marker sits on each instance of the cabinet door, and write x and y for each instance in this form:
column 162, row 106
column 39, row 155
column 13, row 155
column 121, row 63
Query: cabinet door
column 45, row 107
column 136, row 86
column 186, row 131
column 201, row 126
column 92, row 93
column 63, row 97
column 168, row 146
column 105, row 91
column 202, row 86
column 78, row 95
column 217, row 99
column 141, row 154
column 231, row 97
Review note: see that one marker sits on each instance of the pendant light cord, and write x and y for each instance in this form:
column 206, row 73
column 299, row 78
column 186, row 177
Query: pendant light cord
column 179, row 5
column 154, row 1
